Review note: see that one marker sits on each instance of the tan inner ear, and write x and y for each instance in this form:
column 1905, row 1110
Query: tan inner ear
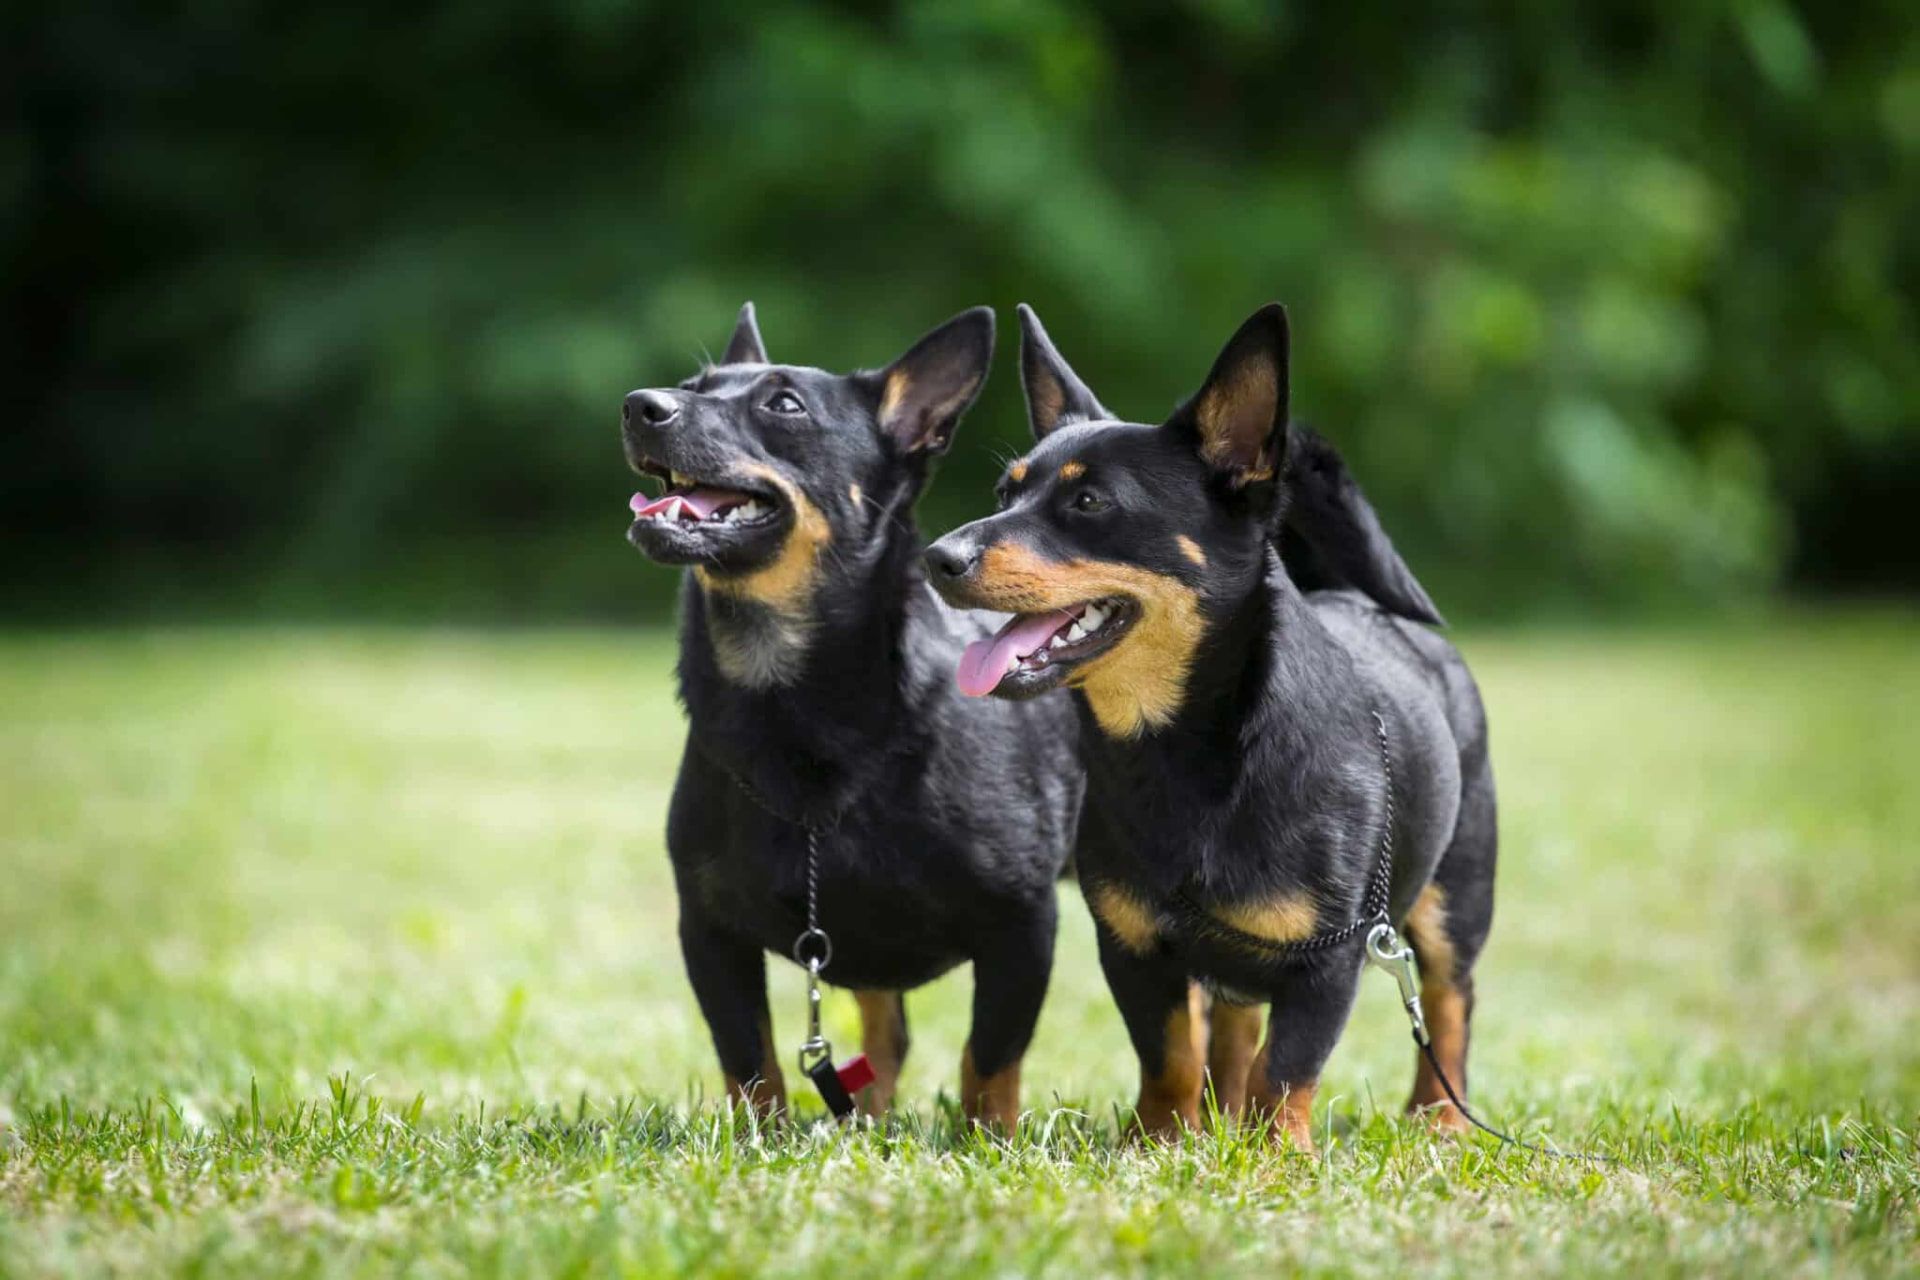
column 1049, row 401
column 893, row 404
column 1235, row 417
column 1140, row 682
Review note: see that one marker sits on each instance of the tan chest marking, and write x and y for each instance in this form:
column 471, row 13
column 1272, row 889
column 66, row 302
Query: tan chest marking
column 1286, row 917
column 1126, row 917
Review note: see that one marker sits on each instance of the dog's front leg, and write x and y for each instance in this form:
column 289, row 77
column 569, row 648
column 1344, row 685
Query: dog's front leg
column 1165, row 1014
column 729, row 976
column 1010, row 973
column 1305, row 1023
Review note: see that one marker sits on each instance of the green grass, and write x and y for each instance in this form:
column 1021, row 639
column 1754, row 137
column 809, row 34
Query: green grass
column 343, row 952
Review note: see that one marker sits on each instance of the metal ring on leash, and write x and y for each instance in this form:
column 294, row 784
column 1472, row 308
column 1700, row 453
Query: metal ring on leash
column 813, row 948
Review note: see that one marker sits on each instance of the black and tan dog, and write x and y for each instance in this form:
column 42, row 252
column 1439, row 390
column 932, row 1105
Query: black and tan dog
column 1237, row 780
column 815, row 668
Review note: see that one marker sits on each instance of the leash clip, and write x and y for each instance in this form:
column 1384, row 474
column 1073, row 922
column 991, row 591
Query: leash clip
column 837, row 1085
column 1386, row 950
column 815, row 1049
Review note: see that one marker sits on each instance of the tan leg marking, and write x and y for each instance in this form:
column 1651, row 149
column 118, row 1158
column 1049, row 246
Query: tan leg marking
column 1170, row 1100
column 766, row 1093
column 1288, row 1108
column 1126, row 916
column 1445, row 1009
column 883, row 1038
column 1446, row 1013
column 1235, row 418
column 1141, row 681
column 992, row 1101
column 1233, row 1040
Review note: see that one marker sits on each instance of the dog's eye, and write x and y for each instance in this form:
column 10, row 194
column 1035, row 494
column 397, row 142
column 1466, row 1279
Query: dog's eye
column 785, row 402
column 1088, row 500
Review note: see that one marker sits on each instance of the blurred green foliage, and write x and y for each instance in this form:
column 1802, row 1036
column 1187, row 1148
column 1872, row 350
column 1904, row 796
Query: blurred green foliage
column 331, row 306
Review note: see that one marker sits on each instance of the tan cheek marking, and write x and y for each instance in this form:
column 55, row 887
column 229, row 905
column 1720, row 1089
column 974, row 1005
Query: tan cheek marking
column 786, row 582
column 1287, row 917
column 1017, row 470
column 1073, row 471
column 1137, row 684
column 1125, row 916
column 1191, row 550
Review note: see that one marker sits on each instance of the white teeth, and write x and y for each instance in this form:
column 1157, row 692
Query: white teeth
column 1093, row 619
column 751, row 509
column 1078, row 631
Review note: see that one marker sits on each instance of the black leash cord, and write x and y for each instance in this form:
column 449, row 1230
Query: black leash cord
column 1426, row 1047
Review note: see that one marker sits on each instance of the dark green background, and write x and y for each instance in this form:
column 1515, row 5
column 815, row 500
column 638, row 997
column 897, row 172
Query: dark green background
column 322, row 309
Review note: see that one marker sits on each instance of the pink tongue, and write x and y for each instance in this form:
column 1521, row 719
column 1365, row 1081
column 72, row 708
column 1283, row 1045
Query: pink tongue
column 701, row 502
column 986, row 661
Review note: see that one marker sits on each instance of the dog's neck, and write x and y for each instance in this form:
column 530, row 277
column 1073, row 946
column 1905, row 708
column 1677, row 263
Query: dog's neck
column 802, row 705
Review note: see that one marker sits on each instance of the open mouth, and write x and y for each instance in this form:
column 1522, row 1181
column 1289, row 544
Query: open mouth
column 1035, row 652
column 688, row 501
column 705, row 520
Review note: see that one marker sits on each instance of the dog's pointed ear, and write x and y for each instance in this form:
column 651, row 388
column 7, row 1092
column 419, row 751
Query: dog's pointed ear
column 924, row 393
column 745, row 347
column 1238, row 418
column 1055, row 395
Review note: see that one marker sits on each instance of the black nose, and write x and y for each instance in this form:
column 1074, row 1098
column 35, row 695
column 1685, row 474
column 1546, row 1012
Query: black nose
column 949, row 562
column 655, row 408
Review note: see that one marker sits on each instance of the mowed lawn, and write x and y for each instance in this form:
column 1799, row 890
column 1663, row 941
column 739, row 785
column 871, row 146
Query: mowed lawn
column 340, row 952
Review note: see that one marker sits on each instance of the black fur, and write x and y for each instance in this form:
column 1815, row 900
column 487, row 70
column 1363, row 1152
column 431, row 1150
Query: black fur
column 1265, row 782
column 945, row 822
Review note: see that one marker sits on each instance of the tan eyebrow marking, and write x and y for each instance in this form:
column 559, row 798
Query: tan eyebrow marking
column 1073, row 470
column 1191, row 550
column 1017, row 470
